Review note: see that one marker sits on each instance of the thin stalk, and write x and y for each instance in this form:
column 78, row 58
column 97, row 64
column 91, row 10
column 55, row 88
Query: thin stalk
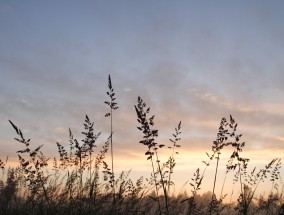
column 216, row 170
column 223, row 185
column 232, row 193
column 69, row 185
column 91, row 190
column 162, row 181
column 113, row 106
column 172, row 159
column 169, row 182
column 81, row 177
column 240, row 175
column 156, row 186
column 112, row 169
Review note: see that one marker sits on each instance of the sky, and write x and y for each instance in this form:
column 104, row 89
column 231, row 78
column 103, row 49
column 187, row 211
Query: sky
column 190, row 61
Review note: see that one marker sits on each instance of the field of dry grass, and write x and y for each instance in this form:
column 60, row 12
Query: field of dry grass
column 81, row 181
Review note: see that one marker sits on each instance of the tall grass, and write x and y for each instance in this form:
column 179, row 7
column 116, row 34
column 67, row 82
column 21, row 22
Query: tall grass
column 81, row 181
column 149, row 140
column 112, row 106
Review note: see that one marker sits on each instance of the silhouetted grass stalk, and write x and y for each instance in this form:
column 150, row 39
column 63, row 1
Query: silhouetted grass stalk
column 149, row 136
column 38, row 164
column 172, row 157
column 149, row 141
column 113, row 106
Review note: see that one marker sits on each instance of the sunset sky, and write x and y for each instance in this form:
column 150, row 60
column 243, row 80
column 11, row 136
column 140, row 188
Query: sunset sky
column 191, row 61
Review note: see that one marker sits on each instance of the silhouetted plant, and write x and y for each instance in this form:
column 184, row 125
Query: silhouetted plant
column 112, row 106
column 149, row 140
column 273, row 198
column 170, row 164
column 221, row 142
column 250, row 185
column 8, row 190
column 95, row 181
column 195, row 186
column 32, row 167
column 268, row 206
column 89, row 142
column 80, row 160
column 136, row 194
column 216, row 206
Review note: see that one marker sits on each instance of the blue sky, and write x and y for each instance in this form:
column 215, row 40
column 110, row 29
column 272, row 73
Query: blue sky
column 194, row 61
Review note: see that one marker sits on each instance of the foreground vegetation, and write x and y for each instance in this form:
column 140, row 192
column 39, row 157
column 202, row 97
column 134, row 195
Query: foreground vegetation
column 81, row 181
